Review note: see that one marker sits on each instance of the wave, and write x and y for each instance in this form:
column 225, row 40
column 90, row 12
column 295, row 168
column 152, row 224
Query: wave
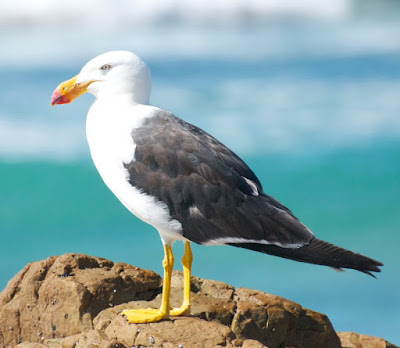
column 28, row 141
column 155, row 12
column 71, row 37
column 250, row 117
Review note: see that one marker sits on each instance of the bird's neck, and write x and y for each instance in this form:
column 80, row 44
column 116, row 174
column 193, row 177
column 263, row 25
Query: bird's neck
column 122, row 99
column 114, row 111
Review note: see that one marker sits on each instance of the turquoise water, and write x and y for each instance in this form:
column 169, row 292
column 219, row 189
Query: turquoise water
column 312, row 106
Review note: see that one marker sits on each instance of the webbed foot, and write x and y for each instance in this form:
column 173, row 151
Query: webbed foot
column 149, row 315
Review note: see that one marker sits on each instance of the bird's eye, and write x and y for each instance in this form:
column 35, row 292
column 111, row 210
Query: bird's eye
column 106, row 67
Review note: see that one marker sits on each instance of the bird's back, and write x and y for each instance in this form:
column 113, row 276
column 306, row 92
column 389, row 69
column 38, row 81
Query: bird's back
column 206, row 187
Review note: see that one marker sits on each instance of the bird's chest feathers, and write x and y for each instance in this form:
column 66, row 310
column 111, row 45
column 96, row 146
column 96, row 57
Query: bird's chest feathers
column 111, row 146
column 109, row 137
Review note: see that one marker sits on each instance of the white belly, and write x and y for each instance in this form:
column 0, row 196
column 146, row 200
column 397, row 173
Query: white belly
column 111, row 145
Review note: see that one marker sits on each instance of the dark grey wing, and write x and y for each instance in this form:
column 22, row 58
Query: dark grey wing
column 207, row 188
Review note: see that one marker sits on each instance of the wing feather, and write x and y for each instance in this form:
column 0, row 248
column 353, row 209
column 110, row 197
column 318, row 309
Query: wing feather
column 204, row 185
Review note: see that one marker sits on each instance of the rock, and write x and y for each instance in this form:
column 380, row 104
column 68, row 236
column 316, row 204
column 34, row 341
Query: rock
column 186, row 332
column 277, row 322
column 73, row 300
column 87, row 339
column 60, row 296
column 353, row 340
column 252, row 344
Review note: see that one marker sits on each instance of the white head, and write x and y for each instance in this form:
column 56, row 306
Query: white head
column 109, row 75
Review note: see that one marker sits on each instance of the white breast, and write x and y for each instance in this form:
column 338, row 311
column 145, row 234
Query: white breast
column 108, row 128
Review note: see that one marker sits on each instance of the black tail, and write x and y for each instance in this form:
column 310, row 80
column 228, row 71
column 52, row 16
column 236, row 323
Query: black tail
column 320, row 253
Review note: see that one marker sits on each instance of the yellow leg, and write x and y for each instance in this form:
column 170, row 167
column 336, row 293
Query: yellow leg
column 154, row 315
column 187, row 265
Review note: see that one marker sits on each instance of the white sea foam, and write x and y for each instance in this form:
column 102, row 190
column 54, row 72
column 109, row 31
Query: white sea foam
column 37, row 33
column 101, row 13
column 31, row 141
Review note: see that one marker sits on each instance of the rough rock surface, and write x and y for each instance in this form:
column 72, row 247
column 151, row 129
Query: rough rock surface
column 353, row 340
column 72, row 301
column 60, row 296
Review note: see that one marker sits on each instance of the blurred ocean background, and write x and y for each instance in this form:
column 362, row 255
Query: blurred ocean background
column 307, row 92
